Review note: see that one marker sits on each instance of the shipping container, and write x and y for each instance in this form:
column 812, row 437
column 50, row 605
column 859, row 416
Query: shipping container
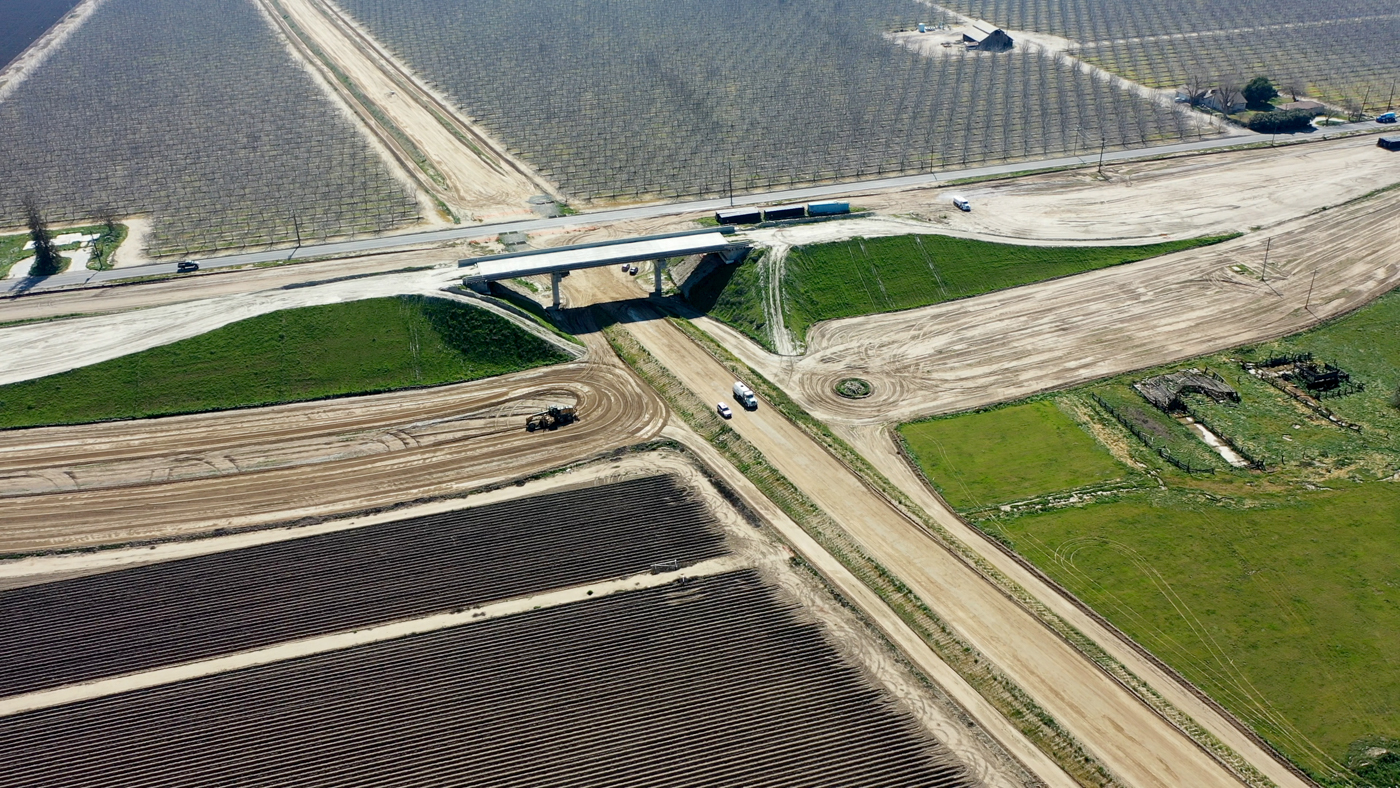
column 777, row 212
column 739, row 216
column 827, row 208
column 1389, row 143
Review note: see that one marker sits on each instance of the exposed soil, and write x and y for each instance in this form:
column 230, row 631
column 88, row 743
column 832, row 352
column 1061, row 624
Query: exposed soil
column 1006, row 345
column 614, row 411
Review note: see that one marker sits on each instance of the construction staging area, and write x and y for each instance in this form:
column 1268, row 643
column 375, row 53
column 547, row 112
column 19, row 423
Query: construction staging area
column 139, row 481
column 604, row 570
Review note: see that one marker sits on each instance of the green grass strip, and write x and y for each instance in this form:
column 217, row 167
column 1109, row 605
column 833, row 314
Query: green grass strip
column 359, row 347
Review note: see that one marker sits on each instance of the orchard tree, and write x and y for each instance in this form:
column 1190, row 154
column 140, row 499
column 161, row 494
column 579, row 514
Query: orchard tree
column 1226, row 89
column 46, row 258
column 1196, row 89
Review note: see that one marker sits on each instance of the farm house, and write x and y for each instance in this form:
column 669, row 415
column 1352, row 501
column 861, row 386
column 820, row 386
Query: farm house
column 986, row 37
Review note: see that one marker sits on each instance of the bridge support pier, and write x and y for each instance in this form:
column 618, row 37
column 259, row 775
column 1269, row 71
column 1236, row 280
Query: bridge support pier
column 657, row 267
column 554, row 286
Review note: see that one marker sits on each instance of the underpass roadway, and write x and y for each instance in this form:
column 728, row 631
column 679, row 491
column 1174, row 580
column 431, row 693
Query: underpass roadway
column 1137, row 745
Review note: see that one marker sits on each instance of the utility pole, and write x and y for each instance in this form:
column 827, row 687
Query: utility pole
column 1263, row 275
column 731, row 183
column 1103, row 143
column 1308, row 304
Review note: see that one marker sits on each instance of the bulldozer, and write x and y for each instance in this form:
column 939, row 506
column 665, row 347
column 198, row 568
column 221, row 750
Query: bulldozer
column 552, row 418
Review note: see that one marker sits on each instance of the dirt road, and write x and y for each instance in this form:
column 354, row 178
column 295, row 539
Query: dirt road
column 1137, row 745
column 474, row 176
column 122, row 481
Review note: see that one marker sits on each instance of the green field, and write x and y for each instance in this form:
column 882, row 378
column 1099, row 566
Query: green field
column 1285, row 608
column 863, row 276
column 1276, row 592
column 358, row 347
column 1008, row 454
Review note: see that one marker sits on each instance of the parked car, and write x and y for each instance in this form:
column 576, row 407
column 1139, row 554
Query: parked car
column 724, row 411
column 625, row 266
column 632, row 270
column 186, row 266
column 1388, row 117
column 962, row 203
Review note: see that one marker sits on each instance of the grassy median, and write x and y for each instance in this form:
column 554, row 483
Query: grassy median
column 359, row 347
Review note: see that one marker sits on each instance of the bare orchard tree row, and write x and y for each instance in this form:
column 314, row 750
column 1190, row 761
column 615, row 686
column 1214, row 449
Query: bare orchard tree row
column 192, row 111
column 1333, row 50
column 634, row 99
column 1239, row 21
column 1337, row 63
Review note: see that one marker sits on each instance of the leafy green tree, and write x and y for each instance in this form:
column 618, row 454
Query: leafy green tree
column 1282, row 122
column 1259, row 92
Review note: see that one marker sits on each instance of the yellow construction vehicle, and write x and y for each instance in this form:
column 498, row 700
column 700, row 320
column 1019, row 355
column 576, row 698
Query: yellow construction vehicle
column 554, row 417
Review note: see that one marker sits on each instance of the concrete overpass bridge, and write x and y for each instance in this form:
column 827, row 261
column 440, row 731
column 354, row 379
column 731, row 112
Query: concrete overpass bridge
column 479, row 272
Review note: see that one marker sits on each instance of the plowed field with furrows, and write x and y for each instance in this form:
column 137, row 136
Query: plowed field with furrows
column 713, row 683
column 160, row 614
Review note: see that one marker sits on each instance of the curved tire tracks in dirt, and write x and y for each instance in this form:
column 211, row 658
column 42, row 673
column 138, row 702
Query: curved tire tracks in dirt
column 614, row 410
column 1013, row 343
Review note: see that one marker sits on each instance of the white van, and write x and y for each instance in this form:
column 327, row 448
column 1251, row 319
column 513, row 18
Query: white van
column 962, row 203
column 745, row 396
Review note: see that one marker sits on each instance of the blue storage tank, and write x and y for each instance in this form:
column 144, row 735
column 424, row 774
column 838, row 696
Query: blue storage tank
column 827, row 208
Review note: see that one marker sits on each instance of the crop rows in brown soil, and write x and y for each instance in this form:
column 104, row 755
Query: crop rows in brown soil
column 166, row 613
column 710, row 683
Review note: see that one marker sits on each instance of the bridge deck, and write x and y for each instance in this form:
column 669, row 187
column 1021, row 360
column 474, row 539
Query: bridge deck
column 569, row 258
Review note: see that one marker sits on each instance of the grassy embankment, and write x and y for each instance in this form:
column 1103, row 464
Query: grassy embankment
column 864, row 276
column 358, row 347
column 12, row 246
column 1276, row 592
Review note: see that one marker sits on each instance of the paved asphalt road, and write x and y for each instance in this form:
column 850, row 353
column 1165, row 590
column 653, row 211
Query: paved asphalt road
column 379, row 243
